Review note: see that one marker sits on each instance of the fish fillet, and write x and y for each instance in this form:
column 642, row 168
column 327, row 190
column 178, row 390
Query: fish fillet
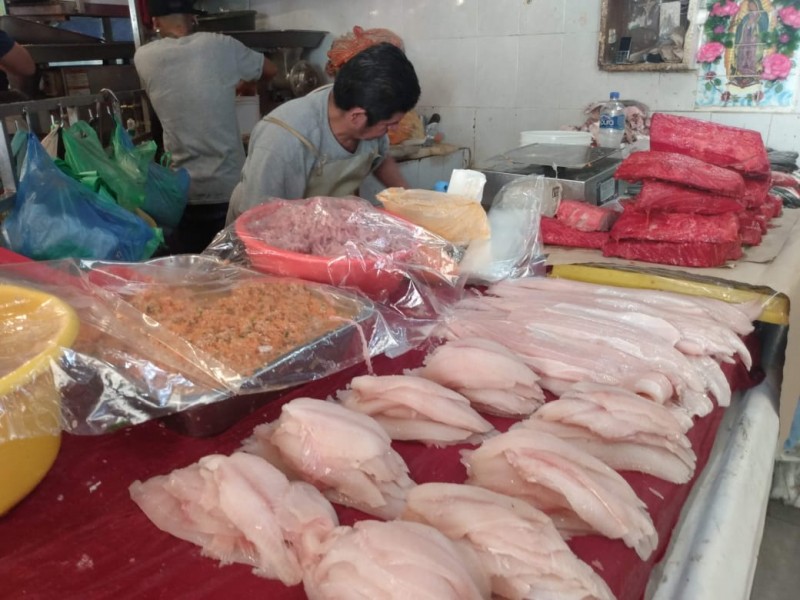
column 489, row 375
column 577, row 490
column 413, row 408
column 343, row 453
column 397, row 560
column 240, row 509
column 518, row 545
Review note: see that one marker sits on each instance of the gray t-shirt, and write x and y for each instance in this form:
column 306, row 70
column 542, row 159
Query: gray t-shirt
column 191, row 82
column 278, row 164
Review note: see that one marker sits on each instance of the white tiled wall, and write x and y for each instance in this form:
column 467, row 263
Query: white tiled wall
column 493, row 68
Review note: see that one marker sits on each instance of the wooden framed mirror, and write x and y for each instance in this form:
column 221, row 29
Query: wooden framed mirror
column 647, row 35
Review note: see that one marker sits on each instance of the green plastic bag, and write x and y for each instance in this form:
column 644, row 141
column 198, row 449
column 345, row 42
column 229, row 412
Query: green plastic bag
column 166, row 190
column 84, row 153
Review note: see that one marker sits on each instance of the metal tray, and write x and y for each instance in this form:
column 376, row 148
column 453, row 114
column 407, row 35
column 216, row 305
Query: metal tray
column 98, row 396
column 548, row 155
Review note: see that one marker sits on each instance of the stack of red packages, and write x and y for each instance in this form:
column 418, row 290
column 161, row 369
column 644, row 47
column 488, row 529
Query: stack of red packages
column 705, row 193
column 578, row 224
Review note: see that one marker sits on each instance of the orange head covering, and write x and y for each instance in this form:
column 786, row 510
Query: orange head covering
column 348, row 45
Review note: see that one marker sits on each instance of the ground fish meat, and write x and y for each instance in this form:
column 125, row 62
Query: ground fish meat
column 331, row 227
column 245, row 325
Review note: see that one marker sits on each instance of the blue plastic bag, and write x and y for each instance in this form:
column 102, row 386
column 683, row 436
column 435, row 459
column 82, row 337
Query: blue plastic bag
column 55, row 216
column 166, row 191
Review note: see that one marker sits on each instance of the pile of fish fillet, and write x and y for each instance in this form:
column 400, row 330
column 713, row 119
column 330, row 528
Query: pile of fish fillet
column 629, row 369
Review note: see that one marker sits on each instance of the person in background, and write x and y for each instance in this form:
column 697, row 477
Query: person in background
column 14, row 60
column 326, row 143
column 191, row 80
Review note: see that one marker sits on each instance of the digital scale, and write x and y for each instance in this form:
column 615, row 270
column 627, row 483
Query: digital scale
column 581, row 172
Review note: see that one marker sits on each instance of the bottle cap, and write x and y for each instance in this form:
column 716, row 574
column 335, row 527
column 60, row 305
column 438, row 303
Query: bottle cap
column 614, row 95
column 440, row 186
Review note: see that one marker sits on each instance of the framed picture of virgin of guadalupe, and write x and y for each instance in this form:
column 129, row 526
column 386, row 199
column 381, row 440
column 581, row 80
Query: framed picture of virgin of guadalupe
column 747, row 57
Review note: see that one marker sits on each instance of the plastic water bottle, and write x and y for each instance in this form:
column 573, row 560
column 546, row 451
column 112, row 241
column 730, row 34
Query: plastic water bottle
column 612, row 123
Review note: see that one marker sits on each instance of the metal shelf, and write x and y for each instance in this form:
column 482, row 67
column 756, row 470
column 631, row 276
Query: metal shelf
column 44, row 53
column 271, row 40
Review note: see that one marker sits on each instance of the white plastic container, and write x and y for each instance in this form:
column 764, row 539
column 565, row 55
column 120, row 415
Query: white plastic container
column 247, row 113
column 568, row 138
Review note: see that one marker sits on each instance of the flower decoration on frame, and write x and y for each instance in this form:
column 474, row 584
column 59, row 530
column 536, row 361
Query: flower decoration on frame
column 766, row 32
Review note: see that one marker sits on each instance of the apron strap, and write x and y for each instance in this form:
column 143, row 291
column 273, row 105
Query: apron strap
column 296, row 134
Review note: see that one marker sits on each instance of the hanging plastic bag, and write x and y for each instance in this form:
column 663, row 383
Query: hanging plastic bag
column 514, row 249
column 19, row 147
column 50, row 142
column 166, row 190
column 55, row 216
column 84, row 152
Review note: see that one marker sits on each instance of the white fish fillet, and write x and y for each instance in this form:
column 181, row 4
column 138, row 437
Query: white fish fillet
column 698, row 320
column 397, row 560
column 570, row 335
column 577, row 490
column 604, row 329
column 737, row 316
column 241, row 509
column 518, row 545
column 716, row 382
column 413, row 408
column 489, row 375
column 646, row 453
column 555, row 358
column 343, row 453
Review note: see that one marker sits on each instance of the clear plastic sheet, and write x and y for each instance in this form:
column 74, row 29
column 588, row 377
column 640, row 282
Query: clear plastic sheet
column 515, row 247
column 410, row 274
column 33, row 328
column 184, row 332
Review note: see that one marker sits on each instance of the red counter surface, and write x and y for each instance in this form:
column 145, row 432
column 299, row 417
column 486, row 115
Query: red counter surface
column 78, row 535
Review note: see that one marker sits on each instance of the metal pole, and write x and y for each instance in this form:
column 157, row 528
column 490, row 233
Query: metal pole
column 136, row 23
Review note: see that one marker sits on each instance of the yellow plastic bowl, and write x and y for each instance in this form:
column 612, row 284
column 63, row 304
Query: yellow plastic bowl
column 34, row 327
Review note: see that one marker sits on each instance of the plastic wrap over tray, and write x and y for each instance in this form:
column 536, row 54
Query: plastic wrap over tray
column 411, row 274
column 179, row 333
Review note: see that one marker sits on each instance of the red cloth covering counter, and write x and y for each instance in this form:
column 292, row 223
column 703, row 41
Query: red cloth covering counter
column 78, row 535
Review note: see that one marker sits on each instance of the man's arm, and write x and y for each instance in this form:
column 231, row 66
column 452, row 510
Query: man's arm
column 389, row 174
column 269, row 70
column 18, row 61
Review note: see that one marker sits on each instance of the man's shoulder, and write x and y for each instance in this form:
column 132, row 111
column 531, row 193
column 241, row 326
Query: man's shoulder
column 303, row 113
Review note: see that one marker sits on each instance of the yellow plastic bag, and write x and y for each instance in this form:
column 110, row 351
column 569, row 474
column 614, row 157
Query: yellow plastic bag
column 457, row 219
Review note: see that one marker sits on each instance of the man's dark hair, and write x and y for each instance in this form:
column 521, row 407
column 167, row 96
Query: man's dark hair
column 381, row 80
